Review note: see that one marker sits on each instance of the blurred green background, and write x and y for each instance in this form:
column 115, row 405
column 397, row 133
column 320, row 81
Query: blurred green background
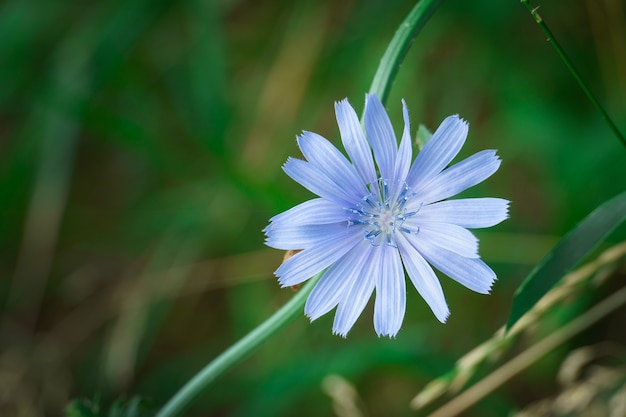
column 141, row 145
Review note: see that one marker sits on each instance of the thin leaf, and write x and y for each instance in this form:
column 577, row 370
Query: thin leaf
column 423, row 136
column 568, row 253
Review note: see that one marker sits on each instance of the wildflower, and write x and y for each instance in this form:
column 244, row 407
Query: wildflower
column 379, row 216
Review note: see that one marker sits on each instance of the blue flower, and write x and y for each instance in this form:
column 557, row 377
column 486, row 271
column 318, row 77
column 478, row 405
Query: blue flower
column 379, row 216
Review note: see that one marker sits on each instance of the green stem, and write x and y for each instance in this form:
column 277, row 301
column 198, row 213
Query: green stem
column 572, row 70
column 238, row 351
column 399, row 46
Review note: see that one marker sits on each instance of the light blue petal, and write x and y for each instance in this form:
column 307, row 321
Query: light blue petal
column 461, row 176
column 405, row 153
column 314, row 180
column 302, row 236
column 380, row 135
column 424, row 279
column 390, row 302
column 445, row 235
column 316, row 211
column 356, row 297
column 324, row 156
column 472, row 213
column 439, row 151
column 310, row 261
column 336, row 281
column 354, row 141
column 472, row 273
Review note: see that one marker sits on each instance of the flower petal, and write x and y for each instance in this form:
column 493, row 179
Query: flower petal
column 442, row 147
column 445, row 235
column 472, row 213
column 302, row 236
column 424, row 279
column 315, row 211
column 405, row 152
column 380, row 135
column 334, row 283
column 323, row 155
column 472, row 273
column 310, row 261
column 461, row 176
column 403, row 159
column 354, row 141
column 390, row 304
column 316, row 181
column 355, row 298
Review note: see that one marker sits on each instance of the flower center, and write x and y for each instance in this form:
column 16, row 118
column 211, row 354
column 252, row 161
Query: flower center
column 383, row 212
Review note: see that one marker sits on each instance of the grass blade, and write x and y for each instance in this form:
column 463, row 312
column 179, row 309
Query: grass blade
column 568, row 253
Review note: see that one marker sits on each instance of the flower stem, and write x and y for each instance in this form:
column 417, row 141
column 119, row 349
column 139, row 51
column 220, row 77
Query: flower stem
column 399, row 46
column 238, row 351
column 572, row 70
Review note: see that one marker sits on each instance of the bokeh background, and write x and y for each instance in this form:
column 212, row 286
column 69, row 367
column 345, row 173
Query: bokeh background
column 141, row 145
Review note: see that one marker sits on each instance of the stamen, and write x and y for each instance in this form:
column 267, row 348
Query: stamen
column 413, row 213
column 382, row 213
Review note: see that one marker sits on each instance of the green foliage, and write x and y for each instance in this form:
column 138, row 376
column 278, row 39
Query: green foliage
column 423, row 136
column 82, row 407
column 569, row 252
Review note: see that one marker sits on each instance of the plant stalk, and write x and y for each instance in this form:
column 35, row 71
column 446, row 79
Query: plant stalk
column 237, row 352
column 570, row 66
